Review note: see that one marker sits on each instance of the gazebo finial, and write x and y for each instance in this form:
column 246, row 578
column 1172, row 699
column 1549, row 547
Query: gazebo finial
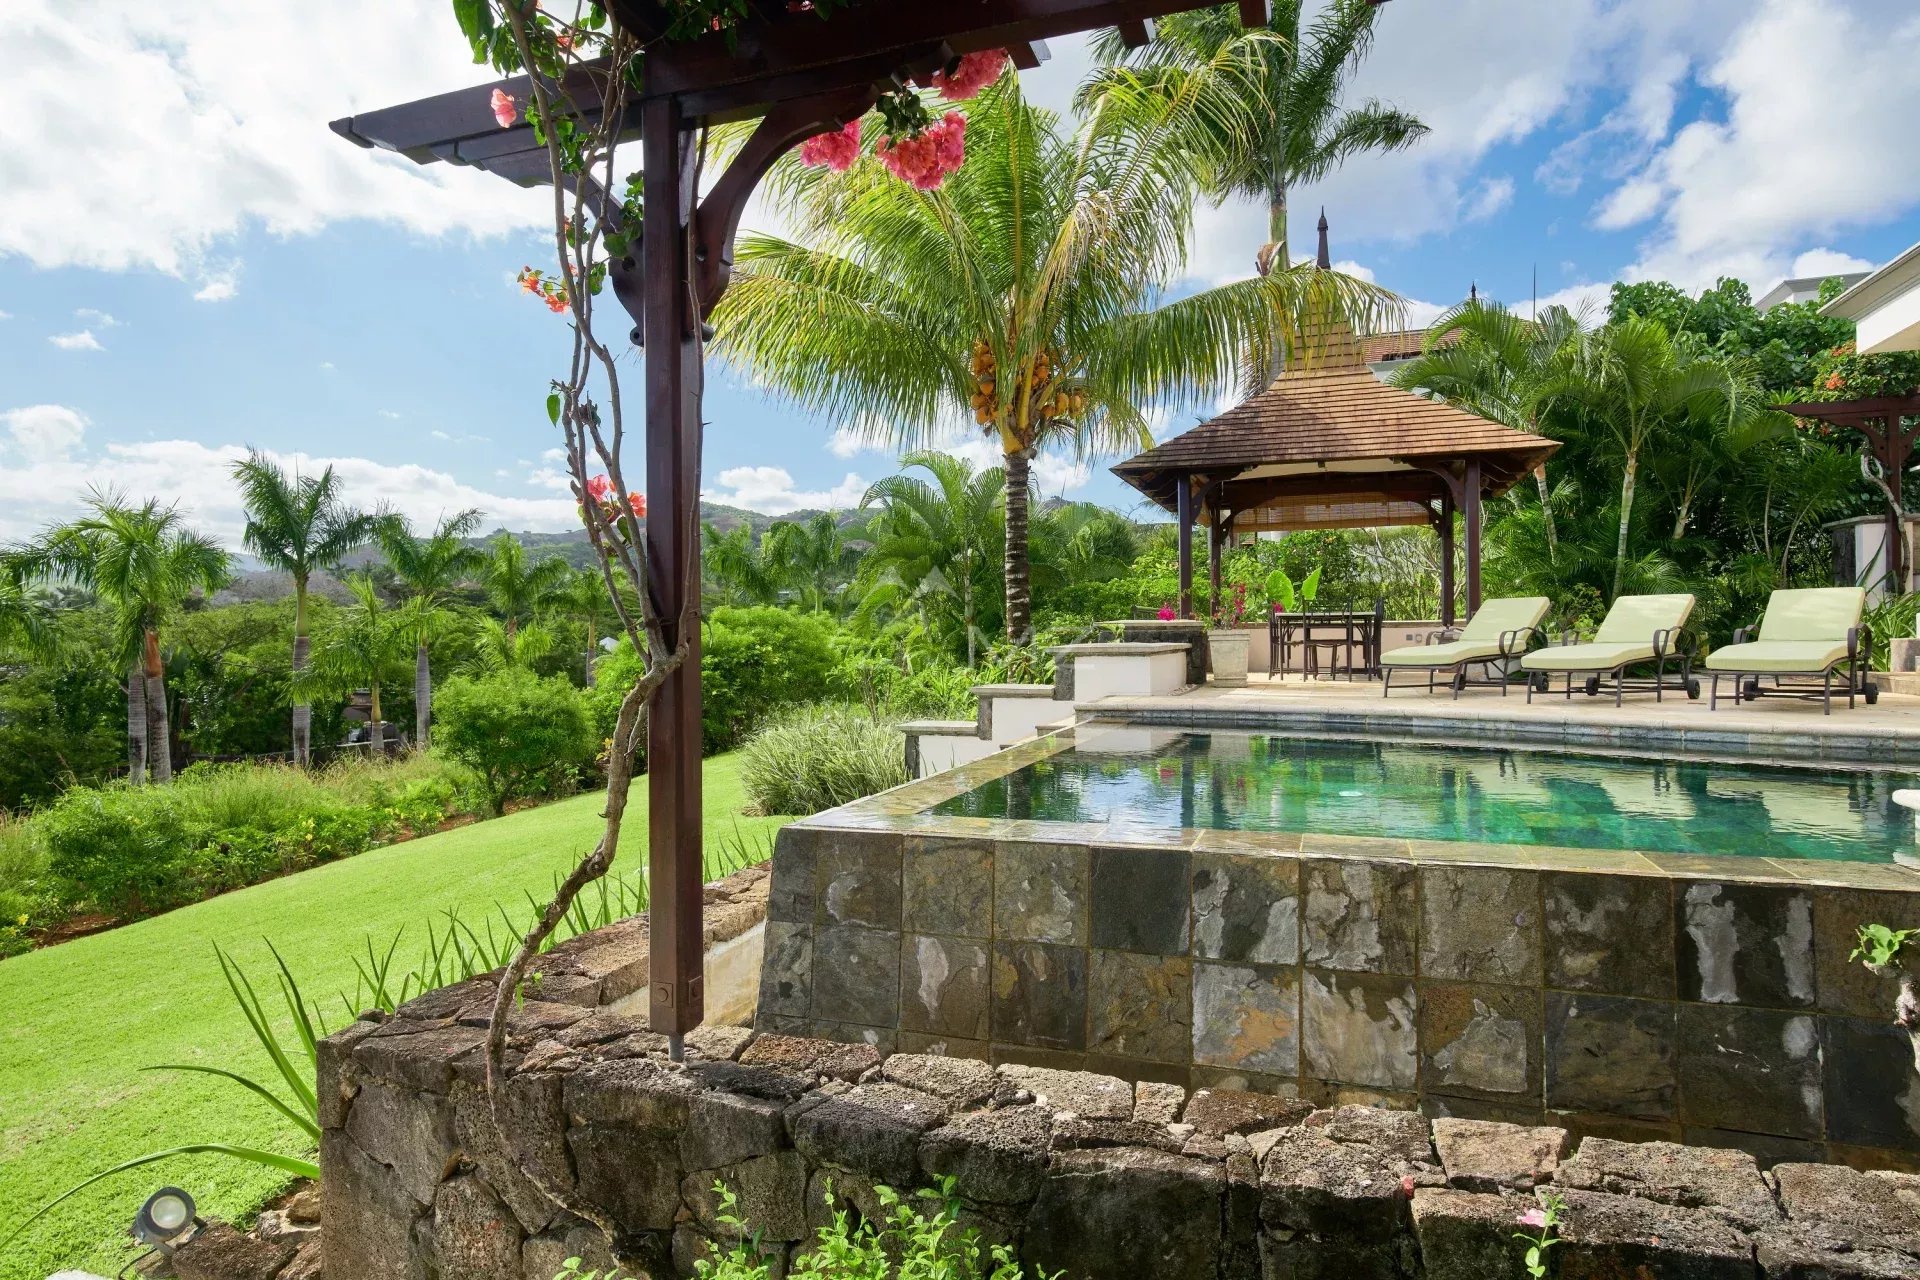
column 1473, row 291
column 1325, row 259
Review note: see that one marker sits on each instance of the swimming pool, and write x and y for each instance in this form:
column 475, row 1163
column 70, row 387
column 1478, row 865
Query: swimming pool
column 1434, row 791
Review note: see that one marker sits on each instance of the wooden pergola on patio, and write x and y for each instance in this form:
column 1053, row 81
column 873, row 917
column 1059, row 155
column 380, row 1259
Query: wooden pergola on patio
column 798, row 75
column 1329, row 446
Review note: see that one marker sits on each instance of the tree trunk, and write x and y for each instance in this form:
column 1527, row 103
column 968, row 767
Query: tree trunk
column 1274, row 251
column 422, row 696
column 1546, row 512
column 302, row 709
column 1626, row 516
column 159, row 732
column 136, row 723
column 376, row 733
column 593, row 647
column 1019, row 576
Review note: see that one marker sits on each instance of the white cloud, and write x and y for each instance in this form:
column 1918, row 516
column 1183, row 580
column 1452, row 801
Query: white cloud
column 1811, row 133
column 6, row 315
column 771, row 490
column 94, row 317
column 221, row 285
column 1828, row 262
column 1493, row 196
column 326, row 366
column 41, row 432
column 193, row 131
column 390, row 415
column 43, row 487
column 80, row 341
column 846, row 442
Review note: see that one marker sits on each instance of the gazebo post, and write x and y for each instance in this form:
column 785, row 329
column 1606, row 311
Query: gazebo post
column 670, row 334
column 1216, row 535
column 1446, row 558
column 1183, row 517
column 1472, row 522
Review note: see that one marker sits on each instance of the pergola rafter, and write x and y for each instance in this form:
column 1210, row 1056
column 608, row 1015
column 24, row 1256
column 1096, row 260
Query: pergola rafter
column 798, row 75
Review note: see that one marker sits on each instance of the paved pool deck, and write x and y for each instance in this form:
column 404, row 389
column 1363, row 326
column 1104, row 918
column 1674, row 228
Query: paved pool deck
column 1785, row 729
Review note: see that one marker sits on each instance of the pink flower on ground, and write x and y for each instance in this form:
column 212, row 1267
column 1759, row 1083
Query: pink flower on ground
column 504, row 109
column 975, row 72
column 836, row 149
column 599, row 487
column 1535, row 1218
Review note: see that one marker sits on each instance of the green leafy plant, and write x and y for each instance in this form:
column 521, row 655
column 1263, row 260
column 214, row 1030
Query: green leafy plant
column 812, row 758
column 521, row 734
column 293, row 1059
column 1282, row 591
column 1545, row 1219
column 1878, row 946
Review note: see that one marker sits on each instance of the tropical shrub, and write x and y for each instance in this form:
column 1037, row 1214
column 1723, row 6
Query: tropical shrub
column 521, row 734
column 120, row 849
column 25, row 897
column 754, row 661
column 810, row 758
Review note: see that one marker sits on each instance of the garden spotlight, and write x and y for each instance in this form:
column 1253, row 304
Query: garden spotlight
column 167, row 1215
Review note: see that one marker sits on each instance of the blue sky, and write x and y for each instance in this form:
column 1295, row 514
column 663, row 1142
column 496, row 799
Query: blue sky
column 207, row 268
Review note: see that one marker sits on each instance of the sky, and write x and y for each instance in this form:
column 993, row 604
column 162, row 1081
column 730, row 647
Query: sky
column 192, row 265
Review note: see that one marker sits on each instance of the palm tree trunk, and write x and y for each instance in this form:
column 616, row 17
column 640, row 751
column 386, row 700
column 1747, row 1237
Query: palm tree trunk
column 1546, row 513
column 422, row 696
column 137, row 723
column 593, row 647
column 1626, row 515
column 1275, row 251
column 376, row 733
column 302, row 709
column 1019, row 574
column 159, row 731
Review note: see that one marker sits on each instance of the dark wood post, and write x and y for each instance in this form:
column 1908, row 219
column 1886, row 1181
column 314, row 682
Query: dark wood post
column 1471, row 519
column 1446, row 558
column 671, row 335
column 1183, row 516
column 1216, row 535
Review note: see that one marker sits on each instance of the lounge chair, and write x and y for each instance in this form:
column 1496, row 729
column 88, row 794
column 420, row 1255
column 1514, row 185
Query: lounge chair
column 1636, row 630
column 1806, row 634
column 1500, row 632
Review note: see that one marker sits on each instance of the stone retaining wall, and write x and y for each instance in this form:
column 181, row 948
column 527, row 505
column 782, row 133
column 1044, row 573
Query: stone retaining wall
column 1081, row 1173
column 1713, row 1004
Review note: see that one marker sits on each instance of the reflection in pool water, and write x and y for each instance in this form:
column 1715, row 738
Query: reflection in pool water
column 1423, row 791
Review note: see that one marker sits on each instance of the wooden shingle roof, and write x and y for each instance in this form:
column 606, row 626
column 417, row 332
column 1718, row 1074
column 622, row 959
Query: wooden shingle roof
column 1328, row 408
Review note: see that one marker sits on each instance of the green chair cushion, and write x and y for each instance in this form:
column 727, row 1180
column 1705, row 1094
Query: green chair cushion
column 1508, row 613
column 1782, row 656
column 1813, row 613
column 1452, row 653
column 1588, row 657
column 1634, row 619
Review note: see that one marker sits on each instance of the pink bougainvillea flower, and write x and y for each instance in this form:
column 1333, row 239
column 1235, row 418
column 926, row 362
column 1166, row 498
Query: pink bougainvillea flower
column 924, row 159
column 975, row 72
column 530, row 280
column 504, row 109
column 1166, row 613
column 637, row 503
column 599, row 487
column 556, row 302
column 1535, row 1218
column 837, row 149
column 565, row 40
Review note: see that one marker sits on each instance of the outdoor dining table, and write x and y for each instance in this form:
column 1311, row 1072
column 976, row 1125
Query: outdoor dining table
column 1353, row 632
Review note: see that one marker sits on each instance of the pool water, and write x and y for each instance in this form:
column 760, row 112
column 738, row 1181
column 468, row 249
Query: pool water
column 1425, row 791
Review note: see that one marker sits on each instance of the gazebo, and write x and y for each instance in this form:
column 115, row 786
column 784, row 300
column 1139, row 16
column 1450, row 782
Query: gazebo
column 1329, row 446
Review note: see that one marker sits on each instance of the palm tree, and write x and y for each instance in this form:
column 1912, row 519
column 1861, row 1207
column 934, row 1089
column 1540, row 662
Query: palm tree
column 429, row 568
column 1485, row 358
column 1305, row 130
column 933, row 544
column 298, row 524
column 1082, row 542
column 495, row 648
column 1636, row 382
column 144, row 562
column 26, row 617
column 515, row 582
column 583, row 596
column 1027, row 292
column 365, row 647
column 738, row 564
column 810, row 556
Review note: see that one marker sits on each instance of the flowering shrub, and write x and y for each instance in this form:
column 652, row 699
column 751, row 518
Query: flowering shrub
column 1843, row 373
column 915, row 147
column 970, row 74
column 544, row 287
column 923, row 160
column 836, row 150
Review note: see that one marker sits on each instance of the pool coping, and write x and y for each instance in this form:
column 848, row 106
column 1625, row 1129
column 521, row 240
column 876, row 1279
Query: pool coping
column 907, row 810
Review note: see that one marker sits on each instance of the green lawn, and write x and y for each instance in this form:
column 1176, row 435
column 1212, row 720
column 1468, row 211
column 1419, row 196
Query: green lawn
column 78, row 1021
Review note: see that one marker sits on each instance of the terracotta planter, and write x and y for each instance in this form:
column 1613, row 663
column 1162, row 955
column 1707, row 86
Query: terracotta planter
column 1228, row 649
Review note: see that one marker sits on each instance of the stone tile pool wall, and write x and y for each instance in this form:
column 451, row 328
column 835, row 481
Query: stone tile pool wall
column 1706, row 1000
